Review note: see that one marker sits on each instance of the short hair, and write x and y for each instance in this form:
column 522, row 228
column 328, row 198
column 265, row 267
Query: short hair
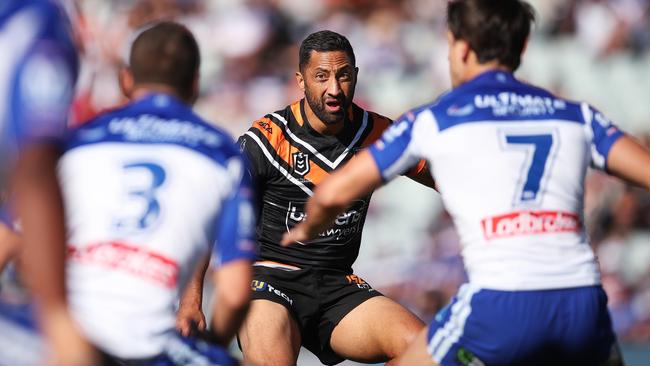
column 166, row 53
column 495, row 30
column 324, row 41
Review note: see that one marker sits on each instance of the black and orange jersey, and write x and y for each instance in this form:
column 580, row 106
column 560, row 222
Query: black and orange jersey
column 288, row 159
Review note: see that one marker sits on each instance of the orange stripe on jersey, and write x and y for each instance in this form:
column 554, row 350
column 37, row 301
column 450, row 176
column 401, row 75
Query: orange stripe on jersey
column 295, row 109
column 285, row 150
column 379, row 125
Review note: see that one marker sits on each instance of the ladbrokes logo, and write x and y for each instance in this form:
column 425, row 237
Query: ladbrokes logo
column 345, row 225
column 133, row 259
column 530, row 223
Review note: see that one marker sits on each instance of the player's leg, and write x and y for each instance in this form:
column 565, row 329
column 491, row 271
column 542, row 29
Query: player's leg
column 416, row 353
column 269, row 335
column 377, row 330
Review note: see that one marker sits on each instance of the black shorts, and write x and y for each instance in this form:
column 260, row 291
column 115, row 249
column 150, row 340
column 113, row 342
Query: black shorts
column 317, row 299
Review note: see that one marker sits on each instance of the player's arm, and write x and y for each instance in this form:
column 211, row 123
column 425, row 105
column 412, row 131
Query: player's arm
column 422, row 175
column 357, row 178
column 190, row 315
column 629, row 160
column 9, row 240
column 614, row 151
column 44, row 89
column 40, row 207
column 233, row 254
column 233, row 281
column 383, row 161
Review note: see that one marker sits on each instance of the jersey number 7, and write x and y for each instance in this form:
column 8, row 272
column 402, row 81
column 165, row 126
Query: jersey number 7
column 538, row 148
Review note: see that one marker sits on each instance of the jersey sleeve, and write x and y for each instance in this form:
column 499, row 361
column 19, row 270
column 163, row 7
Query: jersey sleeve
column 256, row 162
column 602, row 135
column 5, row 217
column 394, row 153
column 235, row 231
column 43, row 87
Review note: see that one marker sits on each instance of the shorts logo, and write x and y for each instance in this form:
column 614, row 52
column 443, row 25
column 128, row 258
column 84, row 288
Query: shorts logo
column 356, row 280
column 301, row 163
column 258, row 286
column 261, row 286
column 467, row 358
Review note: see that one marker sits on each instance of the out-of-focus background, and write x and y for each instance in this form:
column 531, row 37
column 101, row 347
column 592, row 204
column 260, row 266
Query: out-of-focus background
column 592, row 50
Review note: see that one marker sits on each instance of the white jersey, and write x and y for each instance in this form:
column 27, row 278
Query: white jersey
column 148, row 189
column 510, row 161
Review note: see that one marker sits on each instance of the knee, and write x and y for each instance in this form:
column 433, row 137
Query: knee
column 408, row 333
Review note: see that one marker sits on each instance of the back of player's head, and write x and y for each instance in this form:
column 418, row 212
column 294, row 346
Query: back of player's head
column 324, row 41
column 494, row 30
column 166, row 53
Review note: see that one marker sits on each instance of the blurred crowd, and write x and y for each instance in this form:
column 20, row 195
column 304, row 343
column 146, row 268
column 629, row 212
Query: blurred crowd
column 594, row 50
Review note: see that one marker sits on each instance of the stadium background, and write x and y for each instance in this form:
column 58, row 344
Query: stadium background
column 593, row 50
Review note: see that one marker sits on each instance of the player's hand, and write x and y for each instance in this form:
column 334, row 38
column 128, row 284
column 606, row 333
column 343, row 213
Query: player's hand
column 68, row 346
column 189, row 319
column 297, row 235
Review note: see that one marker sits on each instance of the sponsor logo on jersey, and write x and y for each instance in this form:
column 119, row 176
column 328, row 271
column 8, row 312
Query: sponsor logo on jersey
column 530, row 223
column 345, row 225
column 508, row 103
column 152, row 128
column 137, row 261
column 300, row 163
column 456, row 111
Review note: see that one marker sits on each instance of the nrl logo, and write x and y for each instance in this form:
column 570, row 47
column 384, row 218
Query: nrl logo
column 300, row 163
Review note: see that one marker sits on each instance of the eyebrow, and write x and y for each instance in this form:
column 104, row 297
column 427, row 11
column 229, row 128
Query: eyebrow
column 344, row 68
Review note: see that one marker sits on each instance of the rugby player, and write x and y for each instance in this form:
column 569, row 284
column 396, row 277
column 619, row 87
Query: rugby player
column 309, row 295
column 510, row 161
column 37, row 76
column 148, row 189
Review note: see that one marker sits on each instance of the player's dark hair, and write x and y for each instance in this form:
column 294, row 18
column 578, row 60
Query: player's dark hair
column 166, row 53
column 324, row 41
column 495, row 30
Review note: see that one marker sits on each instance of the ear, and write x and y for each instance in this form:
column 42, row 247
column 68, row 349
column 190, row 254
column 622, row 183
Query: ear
column 195, row 88
column 301, row 81
column 464, row 50
column 126, row 81
column 523, row 50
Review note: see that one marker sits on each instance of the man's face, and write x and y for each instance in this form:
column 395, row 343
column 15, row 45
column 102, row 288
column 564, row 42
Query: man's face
column 328, row 80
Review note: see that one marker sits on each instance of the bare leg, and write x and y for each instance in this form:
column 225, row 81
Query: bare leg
column 378, row 330
column 416, row 354
column 269, row 335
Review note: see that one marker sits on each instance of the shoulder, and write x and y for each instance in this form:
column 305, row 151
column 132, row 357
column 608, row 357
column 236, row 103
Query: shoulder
column 270, row 128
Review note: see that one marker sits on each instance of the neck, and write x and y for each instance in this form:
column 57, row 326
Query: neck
column 477, row 69
column 320, row 126
column 142, row 90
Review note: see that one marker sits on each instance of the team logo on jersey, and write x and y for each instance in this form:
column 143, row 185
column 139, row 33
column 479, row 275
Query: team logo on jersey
column 300, row 163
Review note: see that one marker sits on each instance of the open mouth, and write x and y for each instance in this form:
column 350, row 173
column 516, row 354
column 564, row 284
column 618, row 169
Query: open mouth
column 333, row 105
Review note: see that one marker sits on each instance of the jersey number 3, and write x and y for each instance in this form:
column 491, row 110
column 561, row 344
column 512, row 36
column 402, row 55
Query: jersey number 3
column 150, row 210
column 536, row 168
